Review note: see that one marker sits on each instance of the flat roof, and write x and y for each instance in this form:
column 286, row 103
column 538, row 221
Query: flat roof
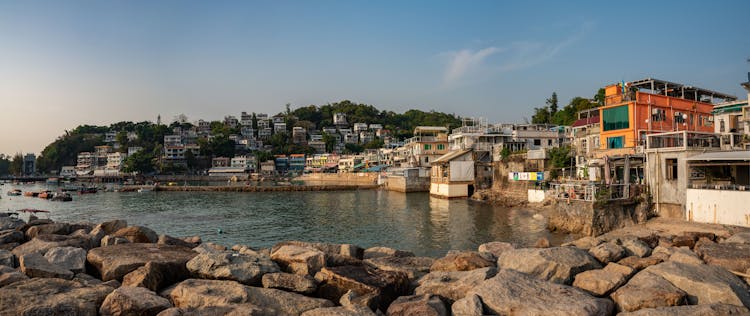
column 685, row 91
column 743, row 155
column 451, row 155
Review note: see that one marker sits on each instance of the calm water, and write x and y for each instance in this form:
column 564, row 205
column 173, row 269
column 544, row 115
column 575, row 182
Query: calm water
column 414, row 221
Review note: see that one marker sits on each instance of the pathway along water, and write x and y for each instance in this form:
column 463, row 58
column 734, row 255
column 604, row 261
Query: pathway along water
column 414, row 221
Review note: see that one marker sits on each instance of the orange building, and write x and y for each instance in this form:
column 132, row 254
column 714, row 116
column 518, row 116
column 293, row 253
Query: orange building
column 654, row 106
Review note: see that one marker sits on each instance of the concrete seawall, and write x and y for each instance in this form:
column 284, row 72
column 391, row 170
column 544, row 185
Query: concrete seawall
column 248, row 188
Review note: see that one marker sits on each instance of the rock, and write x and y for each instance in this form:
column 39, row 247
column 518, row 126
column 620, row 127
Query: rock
column 243, row 268
column 193, row 240
column 453, row 286
column 585, row 243
column 665, row 242
column 299, row 260
column 683, row 241
column 69, row 258
column 226, row 310
column 375, row 252
column 7, row 223
column 112, row 226
column 346, row 250
column 9, row 275
column 698, row 235
column 338, row 311
column 636, row 247
column 54, row 228
column 155, row 275
column 35, row 265
column 86, row 279
column 639, row 263
column 558, row 264
column 604, row 281
column 417, row 305
column 135, row 301
column 684, row 255
column 42, row 243
column 110, row 240
column 514, row 293
column 303, row 284
column 42, row 296
column 7, row 258
column 738, row 238
column 704, row 284
column 461, row 261
column 137, row 234
column 495, row 248
column 730, row 256
column 697, row 310
column 542, row 243
column 414, row 267
column 209, row 247
column 169, row 240
column 386, row 286
column 353, row 301
column 11, row 236
column 468, row 306
column 114, row 262
column 336, row 260
column 195, row 293
column 85, row 226
column 607, row 252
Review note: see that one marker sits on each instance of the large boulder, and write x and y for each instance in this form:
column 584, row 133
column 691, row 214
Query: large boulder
column 137, row 234
column 114, row 262
column 43, row 296
column 331, row 250
column 53, row 228
column 375, row 252
column 514, row 293
column 11, row 236
column 338, row 311
column 601, row 282
column 607, row 252
column 299, row 260
column 739, row 238
column 646, row 290
column 303, row 284
column 385, row 286
column 9, row 275
column 418, row 305
column 685, row 255
column 636, row 247
column 7, row 223
column 461, row 261
column 468, row 306
column 704, row 284
column 697, row 310
column 243, row 268
column 7, row 258
column 169, row 240
column 585, row 243
column 730, row 256
column 106, row 228
column 44, row 242
column 133, row 301
column 414, row 267
column 495, row 248
column 35, row 265
column 69, row 258
column 557, row 264
column 110, row 240
column 155, row 275
column 225, row 310
column 452, row 286
column 195, row 293
column 639, row 263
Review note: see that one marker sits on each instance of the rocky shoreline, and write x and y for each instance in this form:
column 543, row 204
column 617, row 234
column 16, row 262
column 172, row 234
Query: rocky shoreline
column 111, row 268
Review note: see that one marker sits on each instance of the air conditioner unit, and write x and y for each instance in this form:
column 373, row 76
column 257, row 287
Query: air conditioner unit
column 710, row 118
column 654, row 111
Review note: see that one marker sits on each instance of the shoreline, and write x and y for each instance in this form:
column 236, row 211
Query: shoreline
column 247, row 188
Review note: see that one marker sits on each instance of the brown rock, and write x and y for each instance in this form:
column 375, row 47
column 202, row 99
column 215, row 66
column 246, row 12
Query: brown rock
column 110, row 240
column 375, row 252
column 35, row 265
column 414, row 267
column 133, row 301
column 303, row 284
column 114, row 262
column 43, row 296
column 299, row 260
column 496, row 248
column 607, row 252
column 417, row 305
column 730, row 256
column 646, row 290
column 137, row 234
column 7, row 258
column 44, row 242
column 9, row 275
column 683, row 241
column 155, row 275
column 169, row 240
column 11, row 236
column 384, row 285
column 468, row 306
column 461, row 261
column 542, row 243
column 54, row 228
column 697, row 310
column 557, row 264
column 244, row 268
column 453, row 286
column 601, row 282
column 638, row 263
column 704, row 284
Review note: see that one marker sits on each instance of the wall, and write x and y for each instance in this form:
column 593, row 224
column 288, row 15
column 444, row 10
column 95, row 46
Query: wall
column 668, row 195
column 370, row 178
column 536, row 196
column 407, row 184
column 593, row 219
column 444, row 190
column 719, row 207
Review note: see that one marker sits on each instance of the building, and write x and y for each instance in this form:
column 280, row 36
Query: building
column 319, row 146
column 246, row 119
column 29, row 165
column 247, row 163
column 635, row 109
column 348, row 164
column 268, row 168
column 428, row 143
column 718, row 188
column 279, row 128
column 134, row 149
column 360, row 127
column 264, row 133
column 299, row 135
column 366, row 137
column 730, row 121
column 85, row 163
column 68, row 172
column 231, row 121
column 296, row 163
column 339, row 119
column 281, row 164
column 452, row 175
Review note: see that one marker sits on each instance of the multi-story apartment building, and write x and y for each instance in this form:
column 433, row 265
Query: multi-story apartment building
column 428, row 143
column 279, row 128
column 246, row 119
column 299, row 135
column 360, row 127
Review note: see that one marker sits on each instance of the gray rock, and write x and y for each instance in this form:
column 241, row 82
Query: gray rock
column 414, row 267
column 585, row 243
column 375, row 252
column 209, row 247
column 42, row 243
column 35, row 265
column 515, row 293
column 196, row 293
column 346, row 250
column 685, row 255
column 303, row 284
column 53, row 228
column 704, row 284
column 110, row 240
column 739, row 238
column 7, row 223
column 468, row 306
column 299, row 260
column 133, row 301
column 155, row 275
column 607, row 252
column 381, row 286
column 86, row 279
column 43, row 296
column 417, row 305
column 695, row 310
column 7, row 258
column 338, row 311
column 9, row 275
column 496, row 248
column 453, row 286
column 636, row 247
column 69, row 258
column 604, row 281
column 243, row 268
column 137, row 234
column 639, row 263
column 11, row 236
column 461, row 261
column 114, row 262
column 730, row 256
column 557, row 264
column 646, row 290
column 169, row 240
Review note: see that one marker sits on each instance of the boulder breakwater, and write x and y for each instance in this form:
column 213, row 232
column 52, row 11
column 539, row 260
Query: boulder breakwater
column 112, row 268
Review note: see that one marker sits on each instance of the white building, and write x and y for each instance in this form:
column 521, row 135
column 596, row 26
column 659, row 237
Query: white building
column 360, row 127
column 279, row 128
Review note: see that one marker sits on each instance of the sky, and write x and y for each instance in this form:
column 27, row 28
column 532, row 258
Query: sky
column 67, row 63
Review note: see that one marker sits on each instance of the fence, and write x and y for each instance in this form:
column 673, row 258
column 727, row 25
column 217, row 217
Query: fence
column 594, row 192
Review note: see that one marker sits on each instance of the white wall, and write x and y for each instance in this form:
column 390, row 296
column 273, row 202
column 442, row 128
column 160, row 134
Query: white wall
column 536, row 196
column 449, row 190
column 719, row 206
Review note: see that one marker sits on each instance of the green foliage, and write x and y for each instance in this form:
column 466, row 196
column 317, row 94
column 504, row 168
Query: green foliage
column 541, row 116
column 64, row 151
column 559, row 158
column 4, row 165
column 262, row 156
column 16, row 165
column 220, row 146
column 353, row 149
column 141, row 162
column 550, row 114
column 600, row 97
column 569, row 114
column 505, row 153
column 374, row 144
column 552, row 103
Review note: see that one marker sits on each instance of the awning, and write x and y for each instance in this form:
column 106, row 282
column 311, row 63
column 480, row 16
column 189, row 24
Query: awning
column 359, row 166
column 743, row 155
column 377, row 168
column 451, row 155
column 731, row 108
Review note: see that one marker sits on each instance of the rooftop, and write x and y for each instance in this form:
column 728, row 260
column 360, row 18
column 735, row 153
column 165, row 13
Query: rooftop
column 679, row 90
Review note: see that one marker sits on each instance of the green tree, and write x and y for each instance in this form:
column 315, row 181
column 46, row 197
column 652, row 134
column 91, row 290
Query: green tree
column 600, row 97
column 330, row 141
column 140, row 161
column 353, row 149
column 541, row 116
column 552, row 104
column 560, row 157
column 374, row 144
column 16, row 165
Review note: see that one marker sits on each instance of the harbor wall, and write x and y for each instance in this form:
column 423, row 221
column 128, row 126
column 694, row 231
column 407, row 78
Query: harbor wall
column 358, row 179
column 596, row 218
column 407, row 184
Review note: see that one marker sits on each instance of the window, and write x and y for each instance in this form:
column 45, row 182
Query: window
column 537, row 142
column 721, row 126
column 426, row 159
column 441, row 146
column 549, row 142
column 658, row 115
column 615, row 142
column 427, row 146
column 615, row 118
column 671, row 165
column 679, row 118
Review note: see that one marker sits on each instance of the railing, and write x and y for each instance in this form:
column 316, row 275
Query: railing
column 725, row 187
column 594, row 192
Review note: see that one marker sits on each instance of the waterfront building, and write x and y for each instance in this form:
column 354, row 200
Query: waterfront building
column 349, row 163
column 68, row 172
column 296, row 163
column 428, row 143
column 718, row 188
column 281, row 164
column 85, row 163
column 220, row 162
column 29, row 165
column 729, row 121
column 248, row 163
column 114, row 165
column 268, row 168
column 585, row 141
column 452, row 175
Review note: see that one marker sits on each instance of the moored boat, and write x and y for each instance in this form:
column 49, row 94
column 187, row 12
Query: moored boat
column 31, row 193
column 62, row 197
column 87, row 190
column 15, row 192
column 45, row 195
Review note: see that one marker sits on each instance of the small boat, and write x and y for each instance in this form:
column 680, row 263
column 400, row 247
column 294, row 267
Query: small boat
column 45, row 195
column 87, row 190
column 15, row 192
column 31, row 193
column 144, row 190
column 62, row 197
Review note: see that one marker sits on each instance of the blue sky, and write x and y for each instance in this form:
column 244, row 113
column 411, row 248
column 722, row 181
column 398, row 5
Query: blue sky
column 65, row 63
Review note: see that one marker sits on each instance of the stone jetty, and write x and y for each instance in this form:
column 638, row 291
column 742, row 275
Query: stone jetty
column 113, row 268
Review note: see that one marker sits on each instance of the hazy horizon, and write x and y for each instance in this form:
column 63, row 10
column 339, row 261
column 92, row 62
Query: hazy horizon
column 64, row 64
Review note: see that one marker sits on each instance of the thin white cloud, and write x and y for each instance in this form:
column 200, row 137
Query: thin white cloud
column 465, row 61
